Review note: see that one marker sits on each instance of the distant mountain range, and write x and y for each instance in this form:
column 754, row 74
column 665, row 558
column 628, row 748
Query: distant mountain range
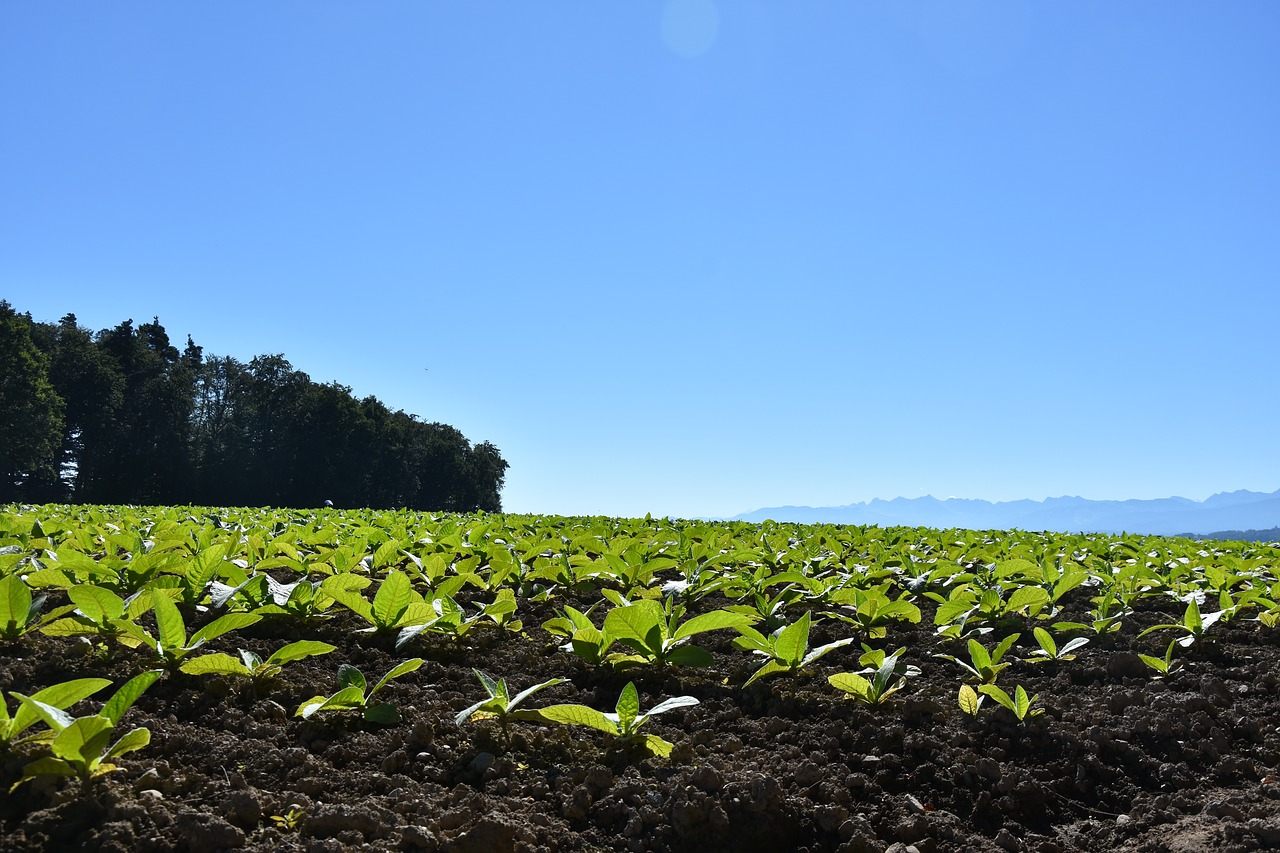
column 1241, row 510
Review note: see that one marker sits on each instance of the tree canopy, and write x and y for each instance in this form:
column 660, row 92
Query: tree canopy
column 123, row 416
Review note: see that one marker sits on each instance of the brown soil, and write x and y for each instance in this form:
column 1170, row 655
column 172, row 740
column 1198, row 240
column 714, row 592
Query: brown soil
column 1118, row 761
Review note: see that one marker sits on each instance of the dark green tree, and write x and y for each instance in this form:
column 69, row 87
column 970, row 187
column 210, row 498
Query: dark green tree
column 31, row 412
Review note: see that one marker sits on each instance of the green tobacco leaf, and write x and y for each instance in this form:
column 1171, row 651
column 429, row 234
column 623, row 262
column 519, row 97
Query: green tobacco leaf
column 15, row 605
column 1045, row 639
column 656, row 746
column 999, row 695
column 216, row 664
column 952, row 610
column 792, row 641
column 768, row 669
column 224, row 624
column 59, row 696
column 134, row 740
column 344, row 700
column 633, row 622
column 969, row 700
column 297, row 650
column 96, row 603
column 1025, row 597
column 85, row 738
column 577, row 715
column 628, row 707
column 392, row 599
column 690, row 656
column 170, row 630
column 382, row 714
column 713, row 621
column 47, row 766
column 349, row 676
column 850, row 682
column 122, row 700
column 397, row 671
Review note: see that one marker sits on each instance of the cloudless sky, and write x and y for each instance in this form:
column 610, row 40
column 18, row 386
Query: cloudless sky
column 690, row 257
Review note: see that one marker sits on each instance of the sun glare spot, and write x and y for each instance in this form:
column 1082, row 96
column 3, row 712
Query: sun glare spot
column 690, row 27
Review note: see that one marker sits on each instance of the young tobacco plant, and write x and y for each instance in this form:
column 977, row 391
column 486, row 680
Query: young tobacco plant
column 251, row 665
column 1194, row 626
column 500, row 703
column 787, row 648
column 871, row 610
column 657, row 634
column 1019, row 704
column 1049, row 649
column 19, row 612
column 584, row 639
column 354, row 695
column 625, row 721
column 81, row 747
column 984, row 665
column 102, row 614
column 171, row 644
column 60, row 696
column 1166, row 665
column 888, row 675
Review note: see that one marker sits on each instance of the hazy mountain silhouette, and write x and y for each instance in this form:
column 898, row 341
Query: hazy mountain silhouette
column 1239, row 510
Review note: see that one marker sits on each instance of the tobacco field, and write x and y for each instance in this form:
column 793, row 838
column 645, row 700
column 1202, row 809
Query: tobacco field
column 199, row 679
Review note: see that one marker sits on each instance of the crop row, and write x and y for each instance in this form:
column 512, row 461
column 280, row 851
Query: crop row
column 132, row 578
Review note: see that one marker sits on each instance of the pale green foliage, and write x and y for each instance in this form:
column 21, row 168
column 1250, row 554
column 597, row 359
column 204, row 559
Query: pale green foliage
column 624, row 722
column 787, row 648
column 660, row 634
column 60, row 696
column 81, row 747
column 251, row 665
column 982, row 664
column 1019, row 704
column 888, row 674
column 1050, row 650
column 500, row 703
column 354, row 695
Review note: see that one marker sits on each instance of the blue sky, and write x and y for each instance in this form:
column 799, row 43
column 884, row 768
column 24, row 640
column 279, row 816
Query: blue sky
column 690, row 258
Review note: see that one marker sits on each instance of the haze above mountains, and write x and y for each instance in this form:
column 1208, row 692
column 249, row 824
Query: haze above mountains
column 1226, row 511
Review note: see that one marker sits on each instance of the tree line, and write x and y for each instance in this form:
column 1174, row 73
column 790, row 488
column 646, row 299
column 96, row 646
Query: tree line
column 122, row 416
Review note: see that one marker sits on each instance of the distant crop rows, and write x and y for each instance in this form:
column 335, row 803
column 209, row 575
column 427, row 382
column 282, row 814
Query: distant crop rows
column 128, row 581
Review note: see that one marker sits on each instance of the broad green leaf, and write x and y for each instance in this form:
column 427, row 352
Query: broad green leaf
column 1192, row 619
column 85, row 739
column 398, row 670
column 171, row 633
column 216, row 664
column 578, row 715
column 55, row 718
column 224, row 624
column 297, row 650
column 47, row 766
column 96, row 603
column 15, row 605
column 1003, row 647
column 122, row 700
column 950, row 611
column 768, row 669
column 999, row 695
column 657, row 746
column 628, row 707
column 1025, row 597
column 969, row 701
column 383, row 714
column 134, row 740
column 979, row 655
column 60, row 696
column 850, row 682
column 1045, row 639
column 350, row 676
column 392, row 599
column 792, row 641
column 633, row 622
column 344, row 700
column 713, row 621
column 493, row 688
column 690, row 656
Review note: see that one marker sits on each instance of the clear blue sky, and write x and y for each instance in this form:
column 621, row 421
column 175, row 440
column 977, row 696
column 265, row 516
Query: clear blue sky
column 688, row 257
